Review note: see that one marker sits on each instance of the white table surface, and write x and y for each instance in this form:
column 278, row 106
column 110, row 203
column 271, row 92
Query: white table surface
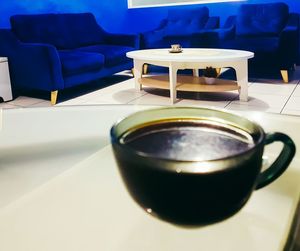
column 191, row 55
column 60, row 190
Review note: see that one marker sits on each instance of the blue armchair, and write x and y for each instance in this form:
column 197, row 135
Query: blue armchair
column 181, row 26
column 268, row 30
column 52, row 52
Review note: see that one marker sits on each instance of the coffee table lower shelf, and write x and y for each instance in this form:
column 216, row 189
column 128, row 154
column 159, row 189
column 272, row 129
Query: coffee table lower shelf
column 189, row 83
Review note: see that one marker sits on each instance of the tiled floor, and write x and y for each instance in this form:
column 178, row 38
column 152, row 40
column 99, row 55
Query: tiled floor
column 264, row 95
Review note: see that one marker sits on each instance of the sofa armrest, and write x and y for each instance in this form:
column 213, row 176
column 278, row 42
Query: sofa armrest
column 225, row 33
column 33, row 66
column 289, row 41
column 40, row 66
column 212, row 23
column 132, row 40
column 230, row 22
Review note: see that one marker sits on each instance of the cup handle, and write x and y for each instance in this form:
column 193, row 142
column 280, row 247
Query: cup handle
column 281, row 163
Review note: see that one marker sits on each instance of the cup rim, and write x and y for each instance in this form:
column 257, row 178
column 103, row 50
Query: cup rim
column 218, row 163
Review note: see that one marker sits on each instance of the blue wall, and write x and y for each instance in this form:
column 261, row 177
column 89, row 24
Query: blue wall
column 113, row 15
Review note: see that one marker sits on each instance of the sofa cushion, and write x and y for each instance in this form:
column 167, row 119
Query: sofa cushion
column 261, row 19
column 64, row 31
column 113, row 54
column 186, row 22
column 76, row 62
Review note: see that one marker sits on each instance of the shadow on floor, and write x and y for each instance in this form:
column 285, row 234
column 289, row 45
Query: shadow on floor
column 204, row 96
column 264, row 75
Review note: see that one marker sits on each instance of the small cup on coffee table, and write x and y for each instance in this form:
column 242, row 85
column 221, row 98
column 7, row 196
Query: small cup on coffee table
column 194, row 166
column 176, row 48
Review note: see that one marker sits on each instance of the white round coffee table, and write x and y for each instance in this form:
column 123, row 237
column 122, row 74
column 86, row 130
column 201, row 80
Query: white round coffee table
column 192, row 59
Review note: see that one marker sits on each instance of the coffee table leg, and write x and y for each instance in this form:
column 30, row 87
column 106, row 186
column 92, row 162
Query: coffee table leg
column 241, row 70
column 173, row 82
column 138, row 71
column 196, row 72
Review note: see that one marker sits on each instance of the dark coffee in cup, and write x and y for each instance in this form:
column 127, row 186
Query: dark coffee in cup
column 187, row 140
column 194, row 166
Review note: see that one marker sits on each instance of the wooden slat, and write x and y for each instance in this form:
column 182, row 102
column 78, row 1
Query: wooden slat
column 189, row 83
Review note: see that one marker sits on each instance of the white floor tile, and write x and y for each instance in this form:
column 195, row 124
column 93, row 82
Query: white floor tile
column 133, row 90
column 272, row 89
column 296, row 92
column 5, row 105
column 264, row 101
column 74, row 101
column 293, row 103
column 117, row 97
column 201, row 103
column 125, row 85
column 290, row 112
column 98, row 102
column 151, row 99
column 239, row 107
column 42, row 104
column 89, row 96
column 25, row 101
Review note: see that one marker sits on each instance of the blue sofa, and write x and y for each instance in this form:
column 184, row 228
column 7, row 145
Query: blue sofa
column 182, row 26
column 269, row 30
column 52, row 52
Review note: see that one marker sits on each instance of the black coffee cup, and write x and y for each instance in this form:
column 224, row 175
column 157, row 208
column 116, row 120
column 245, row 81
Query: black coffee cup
column 194, row 166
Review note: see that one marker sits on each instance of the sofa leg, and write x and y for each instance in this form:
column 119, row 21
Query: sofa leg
column 54, row 97
column 285, row 76
column 145, row 68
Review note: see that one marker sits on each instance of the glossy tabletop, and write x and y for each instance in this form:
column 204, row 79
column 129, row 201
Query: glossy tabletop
column 191, row 55
column 60, row 190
